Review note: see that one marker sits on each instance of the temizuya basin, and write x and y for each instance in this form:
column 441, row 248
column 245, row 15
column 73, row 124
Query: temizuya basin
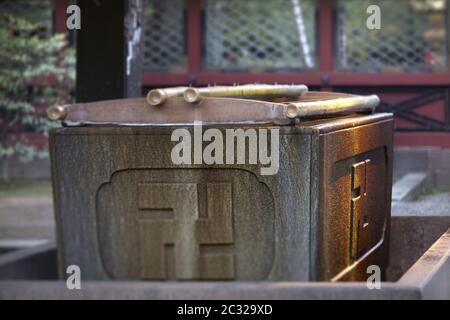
column 126, row 211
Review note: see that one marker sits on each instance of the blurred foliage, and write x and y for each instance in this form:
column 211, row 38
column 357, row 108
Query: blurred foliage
column 35, row 71
column 39, row 12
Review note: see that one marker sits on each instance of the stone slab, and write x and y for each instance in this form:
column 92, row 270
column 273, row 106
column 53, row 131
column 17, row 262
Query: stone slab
column 27, row 217
column 411, row 236
column 428, row 278
column 442, row 179
column 36, row 263
column 409, row 186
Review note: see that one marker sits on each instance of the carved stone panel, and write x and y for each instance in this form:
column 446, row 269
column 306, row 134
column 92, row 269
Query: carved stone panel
column 355, row 206
column 361, row 213
column 185, row 224
column 125, row 211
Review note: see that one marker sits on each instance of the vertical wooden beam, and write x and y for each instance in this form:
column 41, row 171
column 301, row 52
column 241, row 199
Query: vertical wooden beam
column 326, row 41
column 60, row 15
column 133, row 60
column 447, row 28
column 447, row 105
column 102, row 50
column 194, row 38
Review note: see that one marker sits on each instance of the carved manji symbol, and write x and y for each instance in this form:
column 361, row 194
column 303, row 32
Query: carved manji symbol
column 175, row 242
column 360, row 218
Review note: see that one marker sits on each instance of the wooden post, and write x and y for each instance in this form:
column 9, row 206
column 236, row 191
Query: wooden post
column 326, row 56
column 60, row 16
column 194, row 37
column 108, row 55
column 133, row 59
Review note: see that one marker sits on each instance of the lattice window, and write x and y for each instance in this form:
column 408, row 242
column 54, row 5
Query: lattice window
column 260, row 35
column 413, row 36
column 36, row 11
column 164, row 36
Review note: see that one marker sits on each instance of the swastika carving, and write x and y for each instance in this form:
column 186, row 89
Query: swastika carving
column 166, row 224
column 360, row 215
column 175, row 242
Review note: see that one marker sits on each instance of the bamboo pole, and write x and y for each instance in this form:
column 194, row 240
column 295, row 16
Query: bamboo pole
column 158, row 97
column 334, row 106
column 194, row 95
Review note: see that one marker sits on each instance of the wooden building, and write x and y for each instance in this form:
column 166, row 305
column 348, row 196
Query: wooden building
column 325, row 44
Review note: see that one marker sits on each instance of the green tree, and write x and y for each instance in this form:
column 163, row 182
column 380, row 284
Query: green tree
column 36, row 70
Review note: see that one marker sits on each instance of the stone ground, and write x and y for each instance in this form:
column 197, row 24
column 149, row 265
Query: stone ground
column 26, row 218
column 434, row 204
column 26, row 210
